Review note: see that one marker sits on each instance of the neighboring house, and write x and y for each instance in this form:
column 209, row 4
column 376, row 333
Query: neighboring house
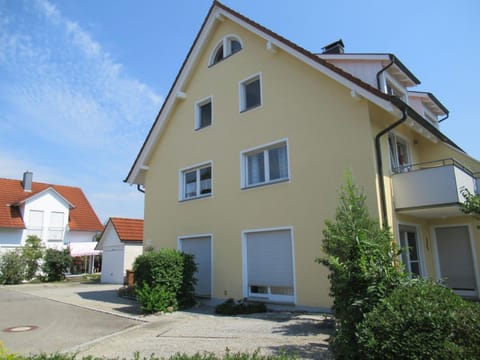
column 243, row 164
column 121, row 242
column 59, row 215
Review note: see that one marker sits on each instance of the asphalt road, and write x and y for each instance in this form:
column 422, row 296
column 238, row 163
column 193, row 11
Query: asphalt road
column 33, row 324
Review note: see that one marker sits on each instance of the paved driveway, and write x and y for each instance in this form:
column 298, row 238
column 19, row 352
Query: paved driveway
column 90, row 319
column 34, row 324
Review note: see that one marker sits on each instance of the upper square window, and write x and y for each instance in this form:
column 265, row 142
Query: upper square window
column 250, row 93
column 229, row 45
column 203, row 113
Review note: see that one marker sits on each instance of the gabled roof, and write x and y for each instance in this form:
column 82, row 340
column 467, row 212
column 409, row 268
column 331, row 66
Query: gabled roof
column 82, row 216
column 128, row 229
column 29, row 196
column 218, row 12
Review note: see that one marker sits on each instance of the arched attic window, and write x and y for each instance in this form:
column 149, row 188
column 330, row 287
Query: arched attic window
column 228, row 46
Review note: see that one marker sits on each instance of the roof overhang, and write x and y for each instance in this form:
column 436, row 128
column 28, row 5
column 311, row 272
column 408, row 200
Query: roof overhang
column 431, row 102
column 398, row 69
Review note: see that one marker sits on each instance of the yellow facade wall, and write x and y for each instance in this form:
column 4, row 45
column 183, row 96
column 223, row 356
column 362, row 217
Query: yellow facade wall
column 327, row 131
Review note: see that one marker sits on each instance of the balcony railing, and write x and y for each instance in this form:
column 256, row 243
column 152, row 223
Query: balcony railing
column 432, row 184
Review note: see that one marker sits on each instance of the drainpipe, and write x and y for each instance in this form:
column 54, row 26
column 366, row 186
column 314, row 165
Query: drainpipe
column 378, row 153
column 392, row 61
column 443, row 119
column 139, row 188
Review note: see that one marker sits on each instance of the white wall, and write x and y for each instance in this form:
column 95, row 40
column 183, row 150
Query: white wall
column 48, row 202
column 113, row 257
column 131, row 253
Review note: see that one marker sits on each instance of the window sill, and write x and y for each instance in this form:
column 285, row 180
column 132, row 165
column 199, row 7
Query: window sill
column 246, row 187
column 196, row 198
column 203, row 127
column 251, row 108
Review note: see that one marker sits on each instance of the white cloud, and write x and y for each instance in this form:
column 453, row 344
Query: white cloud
column 66, row 87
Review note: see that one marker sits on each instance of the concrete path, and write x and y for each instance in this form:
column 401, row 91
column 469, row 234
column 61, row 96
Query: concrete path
column 117, row 328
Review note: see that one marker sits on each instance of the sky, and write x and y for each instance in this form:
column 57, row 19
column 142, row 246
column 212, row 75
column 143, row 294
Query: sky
column 81, row 81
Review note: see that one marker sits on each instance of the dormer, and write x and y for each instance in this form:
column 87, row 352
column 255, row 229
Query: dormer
column 384, row 72
column 427, row 105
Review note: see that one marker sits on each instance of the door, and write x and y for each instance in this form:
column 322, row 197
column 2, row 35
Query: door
column 455, row 259
column 201, row 248
column 409, row 244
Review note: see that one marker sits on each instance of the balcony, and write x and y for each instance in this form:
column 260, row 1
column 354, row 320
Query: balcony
column 432, row 189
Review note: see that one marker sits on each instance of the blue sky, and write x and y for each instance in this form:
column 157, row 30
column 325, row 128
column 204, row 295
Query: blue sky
column 81, row 81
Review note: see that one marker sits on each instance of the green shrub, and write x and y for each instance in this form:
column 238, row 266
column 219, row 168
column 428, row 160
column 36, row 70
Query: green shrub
column 12, row 267
column 32, row 252
column 360, row 258
column 421, row 320
column 55, row 264
column 230, row 307
column 186, row 294
column 155, row 299
column 167, row 271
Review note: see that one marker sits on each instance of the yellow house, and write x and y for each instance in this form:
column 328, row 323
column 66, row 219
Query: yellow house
column 243, row 163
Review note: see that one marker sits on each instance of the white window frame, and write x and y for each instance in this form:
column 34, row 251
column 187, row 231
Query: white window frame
column 264, row 147
column 198, row 105
column 395, row 168
column 390, row 81
column 227, row 48
column 242, row 92
column 181, row 181
column 420, row 251
column 269, row 297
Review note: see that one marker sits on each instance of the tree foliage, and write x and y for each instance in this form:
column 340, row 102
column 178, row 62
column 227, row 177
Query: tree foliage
column 471, row 204
column 12, row 267
column 360, row 257
column 32, row 252
column 56, row 263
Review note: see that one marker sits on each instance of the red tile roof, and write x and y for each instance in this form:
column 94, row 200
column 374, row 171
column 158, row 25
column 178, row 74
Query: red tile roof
column 82, row 216
column 128, row 229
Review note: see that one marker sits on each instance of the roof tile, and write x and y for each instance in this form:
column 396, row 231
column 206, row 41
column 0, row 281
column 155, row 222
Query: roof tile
column 128, row 229
column 82, row 216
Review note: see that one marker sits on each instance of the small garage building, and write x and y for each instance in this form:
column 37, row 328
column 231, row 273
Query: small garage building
column 121, row 242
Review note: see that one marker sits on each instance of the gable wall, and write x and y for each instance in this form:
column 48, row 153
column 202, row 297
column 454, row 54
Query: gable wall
column 327, row 131
column 48, row 202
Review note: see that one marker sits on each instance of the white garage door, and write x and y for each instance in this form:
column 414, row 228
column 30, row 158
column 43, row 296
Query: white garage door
column 201, row 247
column 112, row 266
column 269, row 265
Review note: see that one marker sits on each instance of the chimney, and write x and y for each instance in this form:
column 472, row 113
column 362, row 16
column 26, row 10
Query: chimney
column 336, row 47
column 27, row 181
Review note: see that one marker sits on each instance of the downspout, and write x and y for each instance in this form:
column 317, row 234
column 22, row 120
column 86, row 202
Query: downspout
column 378, row 153
column 139, row 188
column 392, row 61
